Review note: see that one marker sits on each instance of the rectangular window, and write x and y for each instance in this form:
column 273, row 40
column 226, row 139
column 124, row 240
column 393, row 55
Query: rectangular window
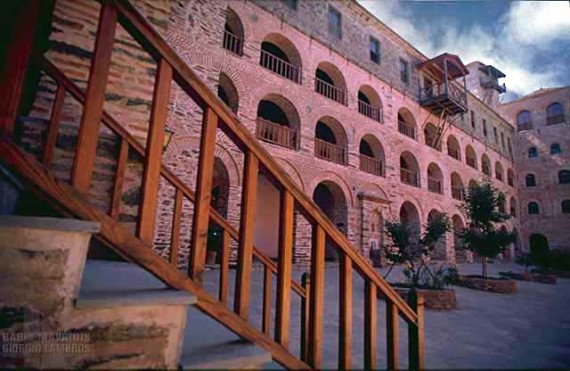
column 496, row 135
column 290, row 4
column 335, row 23
column 473, row 119
column 485, row 128
column 374, row 50
column 503, row 140
column 404, row 73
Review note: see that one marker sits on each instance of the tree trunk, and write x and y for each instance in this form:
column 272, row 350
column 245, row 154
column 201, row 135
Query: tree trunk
column 484, row 263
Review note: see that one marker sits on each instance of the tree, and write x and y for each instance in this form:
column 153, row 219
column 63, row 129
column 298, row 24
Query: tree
column 412, row 250
column 481, row 205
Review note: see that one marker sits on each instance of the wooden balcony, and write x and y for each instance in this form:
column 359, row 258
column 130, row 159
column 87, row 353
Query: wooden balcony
column 406, row 129
column 409, row 177
column 233, row 43
column 280, row 66
column 280, row 135
column 330, row 91
column 471, row 162
column 370, row 111
column 553, row 120
column 331, row 152
column 444, row 97
column 452, row 152
column 371, row 165
column 435, row 185
column 457, row 193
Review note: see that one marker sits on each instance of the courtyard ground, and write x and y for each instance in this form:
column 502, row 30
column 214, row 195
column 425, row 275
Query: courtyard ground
column 529, row 329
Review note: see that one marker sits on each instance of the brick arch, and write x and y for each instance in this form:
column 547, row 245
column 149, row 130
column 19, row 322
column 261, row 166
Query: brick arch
column 371, row 94
column 414, row 201
column 258, row 93
column 287, row 47
column 336, row 127
column 375, row 144
column 334, row 73
column 334, row 178
column 292, row 171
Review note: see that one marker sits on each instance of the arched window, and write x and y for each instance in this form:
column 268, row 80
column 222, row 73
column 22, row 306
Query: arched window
column 554, row 114
column 530, row 180
column 279, row 55
column 471, row 157
column 533, row 208
column 564, row 177
column 453, row 149
column 278, row 122
column 523, row 121
column 227, row 92
column 233, row 33
column 565, row 206
column 371, row 155
column 555, row 149
column 510, row 177
column 406, row 123
column 331, row 141
column 330, row 82
column 532, row 152
column 369, row 103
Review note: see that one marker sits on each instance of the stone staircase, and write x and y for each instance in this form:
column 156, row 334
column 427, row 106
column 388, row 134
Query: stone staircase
column 106, row 314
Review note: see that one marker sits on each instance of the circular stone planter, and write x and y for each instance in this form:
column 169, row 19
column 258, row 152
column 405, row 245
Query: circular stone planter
column 498, row 285
column 438, row 299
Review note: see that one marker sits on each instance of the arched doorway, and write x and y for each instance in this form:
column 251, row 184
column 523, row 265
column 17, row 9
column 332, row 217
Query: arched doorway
column 219, row 201
column 440, row 248
column 330, row 198
column 410, row 216
column 538, row 247
column 460, row 252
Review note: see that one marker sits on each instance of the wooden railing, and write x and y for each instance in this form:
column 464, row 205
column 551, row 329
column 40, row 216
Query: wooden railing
column 553, row 120
column 371, row 165
column 409, row 177
column 406, row 129
column 471, row 161
column 277, row 134
column 368, row 110
column 457, row 192
column 233, row 43
column 71, row 198
column 330, row 91
column 452, row 152
column 280, row 66
column 329, row 151
column 435, row 185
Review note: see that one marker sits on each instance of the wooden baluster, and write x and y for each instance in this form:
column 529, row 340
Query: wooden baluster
column 17, row 52
column 53, row 128
column 224, row 267
column 306, row 282
column 153, row 153
column 392, row 336
column 345, row 313
column 416, row 332
column 88, row 135
column 119, row 179
column 201, row 219
column 175, row 234
column 317, row 297
column 246, row 233
column 283, row 308
column 370, row 302
column 266, row 321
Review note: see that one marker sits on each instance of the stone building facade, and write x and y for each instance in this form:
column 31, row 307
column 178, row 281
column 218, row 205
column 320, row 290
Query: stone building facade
column 542, row 159
column 332, row 93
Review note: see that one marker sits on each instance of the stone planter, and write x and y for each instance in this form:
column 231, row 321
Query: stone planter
column 437, row 299
column 533, row 277
column 498, row 285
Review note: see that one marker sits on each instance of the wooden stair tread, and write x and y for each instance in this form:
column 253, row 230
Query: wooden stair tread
column 130, row 298
column 236, row 354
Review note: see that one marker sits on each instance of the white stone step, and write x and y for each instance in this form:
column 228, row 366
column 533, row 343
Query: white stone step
column 131, row 298
column 237, row 354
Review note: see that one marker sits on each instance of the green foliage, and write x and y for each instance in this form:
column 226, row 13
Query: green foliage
column 437, row 278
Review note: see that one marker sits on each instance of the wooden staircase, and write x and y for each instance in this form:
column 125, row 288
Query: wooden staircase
column 71, row 198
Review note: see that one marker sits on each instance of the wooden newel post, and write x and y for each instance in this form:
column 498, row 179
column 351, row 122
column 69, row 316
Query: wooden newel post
column 416, row 332
column 306, row 282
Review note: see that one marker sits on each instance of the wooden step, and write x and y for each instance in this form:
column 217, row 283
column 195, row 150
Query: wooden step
column 237, row 354
column 131, row 298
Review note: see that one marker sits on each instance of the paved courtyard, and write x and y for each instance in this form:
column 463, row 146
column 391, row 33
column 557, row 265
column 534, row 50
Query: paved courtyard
column 530, row 329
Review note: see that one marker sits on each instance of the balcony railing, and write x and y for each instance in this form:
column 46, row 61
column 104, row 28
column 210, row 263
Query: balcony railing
column 437, row 97
column 407, row 129
column 371, row 165
column 434, row 185
column 280, row 66
column 277, row 134
column 452, row 152
column 524, row 126
column 553, row 120
column 409, row 177
column 368, row 110
column 330, row 91
column 330, row 152
column 457, row 193
column 471, row 162
column 233, row 43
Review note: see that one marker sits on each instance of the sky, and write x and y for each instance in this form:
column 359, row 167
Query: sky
column 529, row 41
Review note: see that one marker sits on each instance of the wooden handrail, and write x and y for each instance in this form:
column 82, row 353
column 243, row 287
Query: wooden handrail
column 409, row 177
column 330, row 91
column 218, row 115
column 280, row 66
column 277, row 134
column 407, row 129
column 330, row 151
column 233, row 43
column 371, row 165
